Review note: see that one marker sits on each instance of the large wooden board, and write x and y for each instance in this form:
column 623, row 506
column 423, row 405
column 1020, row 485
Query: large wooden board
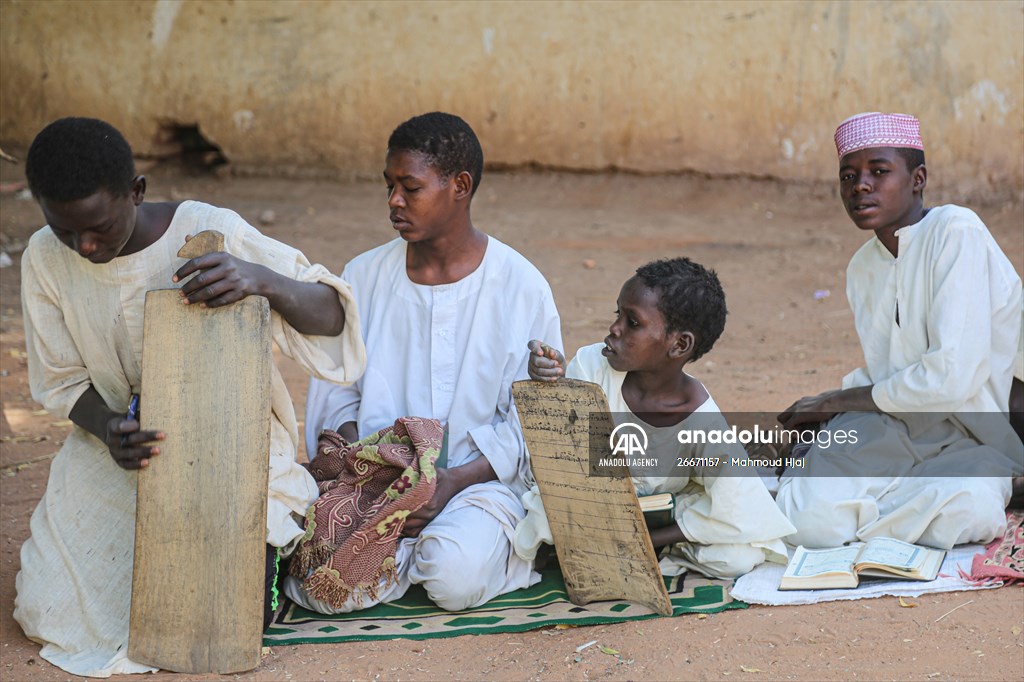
column 600, row 536
column 200, row 530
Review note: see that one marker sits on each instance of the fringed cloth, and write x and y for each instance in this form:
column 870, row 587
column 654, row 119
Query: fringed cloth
column 367, row 489
column 1003, row 559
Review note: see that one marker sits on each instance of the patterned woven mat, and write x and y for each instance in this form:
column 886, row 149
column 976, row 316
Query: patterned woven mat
column 1003, row 559
column 545, row 604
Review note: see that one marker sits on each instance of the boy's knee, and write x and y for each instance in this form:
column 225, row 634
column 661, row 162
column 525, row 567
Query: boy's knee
column 976, row 514
column 820, row 519
column 453, row 595
column 729, row 561
column 812, row 533
column 450, row 573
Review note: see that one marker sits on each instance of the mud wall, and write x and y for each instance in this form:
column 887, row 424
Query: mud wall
column 748, row 88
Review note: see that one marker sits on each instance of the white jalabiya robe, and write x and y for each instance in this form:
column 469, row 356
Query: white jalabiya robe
column 83, row 327
column 447, row 352
column 730, row 522
column 945, row 369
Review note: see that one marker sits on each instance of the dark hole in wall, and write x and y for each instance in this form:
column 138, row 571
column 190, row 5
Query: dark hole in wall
column 185, row 144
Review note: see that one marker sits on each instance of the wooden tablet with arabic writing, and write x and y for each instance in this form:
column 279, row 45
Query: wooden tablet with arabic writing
column 200, row 527
column 600, row 535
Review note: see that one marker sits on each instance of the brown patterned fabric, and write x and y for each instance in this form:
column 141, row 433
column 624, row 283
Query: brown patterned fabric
column 1003, row 558
column 367, row 489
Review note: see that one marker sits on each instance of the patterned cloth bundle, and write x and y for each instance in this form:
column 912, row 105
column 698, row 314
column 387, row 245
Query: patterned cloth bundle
column 367, row 490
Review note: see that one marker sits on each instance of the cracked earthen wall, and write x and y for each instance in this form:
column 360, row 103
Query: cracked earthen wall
column 745, row 88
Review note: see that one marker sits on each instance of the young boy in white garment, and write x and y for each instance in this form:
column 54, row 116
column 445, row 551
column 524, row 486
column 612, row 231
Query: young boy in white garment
column 445, row 311
column 937, row 308
column 668, row 315
column 84, row 282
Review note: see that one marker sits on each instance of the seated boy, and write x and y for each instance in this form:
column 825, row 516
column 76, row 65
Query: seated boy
column 669, row 314
column 937, row 306
column 84, row 282
column 446, row 310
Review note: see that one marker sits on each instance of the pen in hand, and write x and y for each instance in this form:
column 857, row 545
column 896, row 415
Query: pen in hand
column 131, row 415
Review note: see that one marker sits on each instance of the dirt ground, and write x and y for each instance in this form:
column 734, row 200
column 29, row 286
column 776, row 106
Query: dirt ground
column 781, row 251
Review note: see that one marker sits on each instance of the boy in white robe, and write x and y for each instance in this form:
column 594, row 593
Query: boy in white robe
column 668, row 315
column 84, row 280
column 937, row 308
column 446, row 311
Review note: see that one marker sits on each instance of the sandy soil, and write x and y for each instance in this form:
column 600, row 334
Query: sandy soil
column 773, row 245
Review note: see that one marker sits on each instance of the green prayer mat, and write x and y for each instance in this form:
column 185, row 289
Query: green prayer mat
column 545, row 604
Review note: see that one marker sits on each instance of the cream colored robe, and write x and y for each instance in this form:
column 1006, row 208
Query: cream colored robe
column 731, row 522
column 83, row 327
column 934, row 468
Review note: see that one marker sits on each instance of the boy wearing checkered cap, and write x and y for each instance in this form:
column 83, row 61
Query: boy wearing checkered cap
column 937, row 308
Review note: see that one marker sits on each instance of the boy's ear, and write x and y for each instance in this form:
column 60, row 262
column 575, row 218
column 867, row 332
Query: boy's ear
column 138, row 191
column 919, row 178
column 682, row 346
column 463, row 185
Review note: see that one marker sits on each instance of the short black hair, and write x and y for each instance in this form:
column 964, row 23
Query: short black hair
column 448, row 143
column 912, row 157
column 73, row 158
column 690, row 297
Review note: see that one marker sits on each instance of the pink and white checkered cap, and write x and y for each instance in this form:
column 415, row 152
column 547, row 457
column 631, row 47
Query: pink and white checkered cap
column 878, row 130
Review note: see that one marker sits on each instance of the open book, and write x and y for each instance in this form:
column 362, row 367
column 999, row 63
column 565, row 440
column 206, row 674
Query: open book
column 816, row 569
column 659, row 509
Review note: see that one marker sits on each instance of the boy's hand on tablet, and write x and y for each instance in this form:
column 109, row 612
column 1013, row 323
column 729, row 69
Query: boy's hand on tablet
column 221, row 279
column 127, row 444
column 546, row 363
column 311, row 308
